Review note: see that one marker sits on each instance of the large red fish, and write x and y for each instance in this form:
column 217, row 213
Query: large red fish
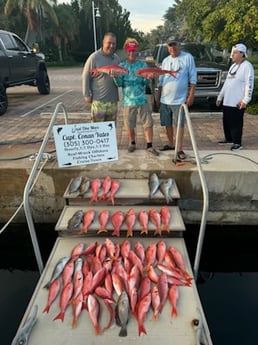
column 143, row 218
column 165, row 218
column 65, row 297
column 117, row 219
column 142, row 310
column 130, row 219
column 103, row 220
column 77, row 309
column 155, row 218
column 110, row 70
column 115, row 185
column 52, row 294
column 105, row 187
column 152, row 72
column 173, row 295
column 95, row 187
column 94, row 311
column 88, row 218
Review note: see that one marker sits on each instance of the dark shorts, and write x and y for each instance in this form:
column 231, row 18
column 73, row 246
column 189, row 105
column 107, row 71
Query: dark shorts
column 140, row 112
column 169, row 115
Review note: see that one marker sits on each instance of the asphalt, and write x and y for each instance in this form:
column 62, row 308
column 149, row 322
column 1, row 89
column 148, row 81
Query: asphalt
column 27, row 119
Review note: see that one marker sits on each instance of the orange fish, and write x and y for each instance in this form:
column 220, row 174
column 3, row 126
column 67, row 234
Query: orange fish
column 143, row 218
column 115, row 185
column 106, row 185
column 155, row 218
column 52, row 294
column 130, row 219
column 173, row 295
column 152, row 72
column 103, row 220
column 65, row 297
column 165, row 218
column 110, row 69
column 94, row 311
column 142, row 310
column 95, row 187
column 117, row 219
column 88, row 218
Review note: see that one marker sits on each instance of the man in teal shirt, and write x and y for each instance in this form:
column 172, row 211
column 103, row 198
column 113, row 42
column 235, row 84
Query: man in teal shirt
column 134, row 98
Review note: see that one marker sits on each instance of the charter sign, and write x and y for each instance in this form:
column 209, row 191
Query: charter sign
column 85, row 143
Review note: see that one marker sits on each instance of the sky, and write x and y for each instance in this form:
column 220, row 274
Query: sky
column 146, row 15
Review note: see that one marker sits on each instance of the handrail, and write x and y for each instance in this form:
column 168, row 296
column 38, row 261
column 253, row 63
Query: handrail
column 203, row 183
column 30, row 182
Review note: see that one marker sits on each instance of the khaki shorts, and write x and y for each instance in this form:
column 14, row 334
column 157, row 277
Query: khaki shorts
column 103, row 111
column 142, row 111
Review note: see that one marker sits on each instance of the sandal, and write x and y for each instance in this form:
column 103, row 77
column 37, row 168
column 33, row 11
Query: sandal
column 167, row 148
column 181, row 155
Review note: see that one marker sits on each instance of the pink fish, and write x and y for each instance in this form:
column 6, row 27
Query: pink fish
column 112, row 313
column 142, row 310
column 104, row 294
column 77, row 308
column 68, row 272
column 117, row 283
column 161, row 251
column 115, row 185
column 65, row 297
column 95, row 187
column 173, row 295
column 88, row 218
column 77, row 250
column 155, row 302
column 155, row 218
column 77, row 285
column 94, row 312
column 152, row 72
column 139, row 250
column 103, row 220
column 165, row 218
column 163, row 289
column 106, row 185
column 110, row 69
column 52, row 294
column 150, row 255
column 111, row 249
column 125, row 248
column 143, row 218
column 117, row 219
column 130, row 219
column 145, row 287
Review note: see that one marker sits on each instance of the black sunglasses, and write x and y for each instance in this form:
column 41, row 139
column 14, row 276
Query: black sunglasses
column 172, row 44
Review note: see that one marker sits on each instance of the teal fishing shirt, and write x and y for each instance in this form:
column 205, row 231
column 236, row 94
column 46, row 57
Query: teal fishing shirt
column 133, row 86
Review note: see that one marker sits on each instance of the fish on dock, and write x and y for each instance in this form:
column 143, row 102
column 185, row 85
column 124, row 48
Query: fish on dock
column 122, row 313
column 23, row 334
column 153, row 183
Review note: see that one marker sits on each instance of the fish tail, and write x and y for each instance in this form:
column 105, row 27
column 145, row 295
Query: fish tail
column 174, row 312
column 129, row 233
column 74, row 324
column 141, row 329
column 60, row 316
column 166, row 228
column 97, row 329
column 116, row 233
column 102, row 229
column 47, row 285
column 123, row 332
column 46, row 309
column 155, row 316
column 157, row 231
column 144, row 231
column 93, row 198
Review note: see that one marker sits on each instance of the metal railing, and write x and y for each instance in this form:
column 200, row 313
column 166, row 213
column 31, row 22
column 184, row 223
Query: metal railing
column 203, row 184
column 31, row 181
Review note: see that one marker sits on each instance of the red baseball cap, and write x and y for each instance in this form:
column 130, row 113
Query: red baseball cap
column 131, row 46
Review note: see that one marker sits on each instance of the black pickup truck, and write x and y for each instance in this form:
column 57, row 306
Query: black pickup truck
column 20, row 65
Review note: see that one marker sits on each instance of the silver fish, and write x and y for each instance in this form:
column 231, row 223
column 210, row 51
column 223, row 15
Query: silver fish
column 23, row 334
column 57, row 270
column 165, row 187
column 78, row 265
column 122, row 313
column 153, row 184
column 75, row 221
column 84, row 186
column 75, row 184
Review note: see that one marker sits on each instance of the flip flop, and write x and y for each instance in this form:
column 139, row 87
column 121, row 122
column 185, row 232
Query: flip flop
column 167, row 148
column 181, row 155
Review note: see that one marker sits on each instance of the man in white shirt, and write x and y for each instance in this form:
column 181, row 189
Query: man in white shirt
column 235, row 94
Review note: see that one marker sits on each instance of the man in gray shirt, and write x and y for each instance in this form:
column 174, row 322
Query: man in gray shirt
column 99, row 90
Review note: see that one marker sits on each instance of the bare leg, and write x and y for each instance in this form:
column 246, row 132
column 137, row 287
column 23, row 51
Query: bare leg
column 148, row 133
column 169, row 130
column 131, row 135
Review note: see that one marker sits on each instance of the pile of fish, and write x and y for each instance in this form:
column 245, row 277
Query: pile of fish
column 164, row 186
column 126, row 279
column 83, row 184
column 82, row 221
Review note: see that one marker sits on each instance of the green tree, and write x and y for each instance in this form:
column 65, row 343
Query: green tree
column 35, row 11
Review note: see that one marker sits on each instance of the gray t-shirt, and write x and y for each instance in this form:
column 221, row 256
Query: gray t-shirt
column 102, row 86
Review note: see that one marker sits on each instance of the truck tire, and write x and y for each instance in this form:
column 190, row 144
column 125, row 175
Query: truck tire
column 43, row 83
column 3, row 100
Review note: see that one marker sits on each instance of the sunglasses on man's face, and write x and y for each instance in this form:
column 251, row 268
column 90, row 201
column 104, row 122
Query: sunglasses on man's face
column 172, row 44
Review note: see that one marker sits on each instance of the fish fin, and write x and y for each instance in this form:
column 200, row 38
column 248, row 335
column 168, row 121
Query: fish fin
column 97, row 329
column 102, row 230
column 46, row 309
column 174, row 312
column 123, row 332
column 141, row 330
column 60, row 316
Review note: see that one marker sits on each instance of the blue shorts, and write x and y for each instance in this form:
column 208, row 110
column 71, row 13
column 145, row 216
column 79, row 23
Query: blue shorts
column 169, row 115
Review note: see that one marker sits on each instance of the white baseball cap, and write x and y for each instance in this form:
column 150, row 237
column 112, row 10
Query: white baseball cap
column 241, row 48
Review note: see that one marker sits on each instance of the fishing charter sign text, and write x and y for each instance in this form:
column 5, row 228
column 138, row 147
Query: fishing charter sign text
column 85, row 143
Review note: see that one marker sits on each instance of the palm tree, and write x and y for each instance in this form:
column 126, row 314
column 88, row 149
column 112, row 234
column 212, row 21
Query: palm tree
column 35, row 12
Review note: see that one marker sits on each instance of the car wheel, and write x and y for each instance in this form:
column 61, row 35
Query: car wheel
column 3, row 100
column 43, row 83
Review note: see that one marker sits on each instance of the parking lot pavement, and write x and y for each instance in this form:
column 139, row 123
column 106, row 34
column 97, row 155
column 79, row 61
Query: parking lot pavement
column 29, row 114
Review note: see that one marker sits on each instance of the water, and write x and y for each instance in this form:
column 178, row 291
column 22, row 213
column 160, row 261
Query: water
column 227, row 282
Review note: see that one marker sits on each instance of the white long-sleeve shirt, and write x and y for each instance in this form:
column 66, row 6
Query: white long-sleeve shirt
column 239, row 84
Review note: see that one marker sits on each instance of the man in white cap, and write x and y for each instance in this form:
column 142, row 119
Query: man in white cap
column 235, row 94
